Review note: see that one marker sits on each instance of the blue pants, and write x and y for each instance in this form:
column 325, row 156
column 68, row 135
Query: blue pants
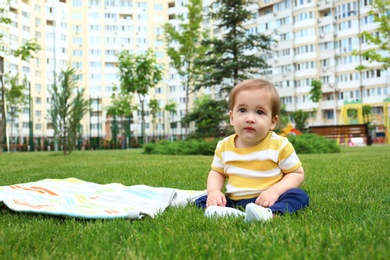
column 290, row 201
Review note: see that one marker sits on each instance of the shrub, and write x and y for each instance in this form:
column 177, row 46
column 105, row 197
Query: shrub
column 303, row 144
column 312, row 143
column 188, row 147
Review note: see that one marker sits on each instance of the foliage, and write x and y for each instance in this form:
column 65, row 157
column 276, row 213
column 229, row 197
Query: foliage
column 15, row 93
column 316, row 91
column 303, row 144
column 187, row 147
column 67, row 108
column 300, row 118
column 121, row 106
column 381, row 40
column 366, row 111
column 3, row 19
column 171, row 107
column 184, row 45
column 352, row 113
column 14, row 96
column 232, row 57
column 24, row 52
column 312, row 143
column 154, row 108
column 208, row 115
column 283, row 119
column 137, row 74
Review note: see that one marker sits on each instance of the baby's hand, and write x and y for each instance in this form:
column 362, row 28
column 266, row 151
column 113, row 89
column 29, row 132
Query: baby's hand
column 267, row 198
column 216, row 198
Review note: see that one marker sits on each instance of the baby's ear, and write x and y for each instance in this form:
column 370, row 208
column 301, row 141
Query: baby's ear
column 275, row 121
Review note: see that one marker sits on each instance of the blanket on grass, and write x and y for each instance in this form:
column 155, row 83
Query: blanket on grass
column 81, row 199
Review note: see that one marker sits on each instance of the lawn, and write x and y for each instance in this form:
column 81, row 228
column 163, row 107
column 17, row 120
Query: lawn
column 348, row 217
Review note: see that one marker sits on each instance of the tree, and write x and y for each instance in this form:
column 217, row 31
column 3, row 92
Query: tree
column 25, row 52
column 3, row 19
column 381, row 40
column 184, row 46
column 315, row 91
column 171, row 107
column 15, row 96
column 208, row 115
column 300, row 118
column 137, row 74
column 121, row 106
column 234, row 56
column 283, row 119
column 154, row 109
column 366, row 111
column 67, row 108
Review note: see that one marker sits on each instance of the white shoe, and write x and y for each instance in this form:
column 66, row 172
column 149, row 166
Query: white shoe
column 217, row 211
column 254, row 212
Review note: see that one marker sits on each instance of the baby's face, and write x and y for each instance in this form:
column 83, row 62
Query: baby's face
column 252, row 117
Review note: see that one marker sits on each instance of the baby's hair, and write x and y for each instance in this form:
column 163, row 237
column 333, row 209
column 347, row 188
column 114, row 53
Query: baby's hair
column 257, row 84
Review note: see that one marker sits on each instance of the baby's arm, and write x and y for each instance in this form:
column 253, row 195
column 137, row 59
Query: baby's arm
column 215, row 181
column 291, row 180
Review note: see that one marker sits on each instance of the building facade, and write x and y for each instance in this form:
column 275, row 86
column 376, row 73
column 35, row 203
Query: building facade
column 314, row 40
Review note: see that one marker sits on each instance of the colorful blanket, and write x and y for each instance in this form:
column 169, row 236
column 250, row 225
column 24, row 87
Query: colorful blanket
column 80, row 199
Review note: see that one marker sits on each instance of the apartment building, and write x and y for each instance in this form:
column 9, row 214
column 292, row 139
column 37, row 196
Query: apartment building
column 86, row 35
column 315, row 40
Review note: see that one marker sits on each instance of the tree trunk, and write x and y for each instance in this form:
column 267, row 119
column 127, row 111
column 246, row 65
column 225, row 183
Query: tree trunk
column 3, row 120
column 143, row 130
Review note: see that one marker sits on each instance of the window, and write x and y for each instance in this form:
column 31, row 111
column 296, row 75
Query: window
column 158, row 7
column 94, row 51
column 95, row 126
column 125, row 3
column 77, row 40
column 38, row 87
column 78, row 53
column 94, row 27
column 94, row 15
column 78, row 65
column 25, row 28
column 77, row 28
column 329, row 114
column 77, row 16
column 159, row 54
column 94, row 2
column 77, row 3
column 37, row 8
column 95, row 64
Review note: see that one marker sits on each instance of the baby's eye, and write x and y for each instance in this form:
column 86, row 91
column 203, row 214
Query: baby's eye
column 242, row 110
column 259, row 112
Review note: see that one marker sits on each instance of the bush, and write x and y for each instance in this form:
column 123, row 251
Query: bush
column 312, row 143
column 188, row 147
column 303, row 144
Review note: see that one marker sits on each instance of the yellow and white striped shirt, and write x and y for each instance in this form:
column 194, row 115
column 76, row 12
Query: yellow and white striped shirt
column 253, row 170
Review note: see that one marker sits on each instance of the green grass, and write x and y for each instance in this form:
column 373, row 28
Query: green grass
column 348, row 217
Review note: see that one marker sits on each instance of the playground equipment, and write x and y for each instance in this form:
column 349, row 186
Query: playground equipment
column 289, row 130
column 379, row 122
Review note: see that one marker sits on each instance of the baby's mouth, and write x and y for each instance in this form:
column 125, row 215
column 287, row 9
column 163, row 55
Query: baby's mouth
column 248, row 128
